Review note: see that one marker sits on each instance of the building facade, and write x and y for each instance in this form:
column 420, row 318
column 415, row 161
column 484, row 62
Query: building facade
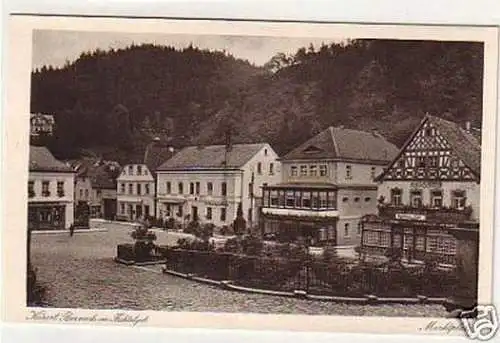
column 430, row 189
column 210, row 182
column 135, row 192
column 50, row 191
column 327, row 186
column 95, row 188
column 42, row 124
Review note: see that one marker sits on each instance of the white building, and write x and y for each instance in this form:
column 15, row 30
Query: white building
column 50, row 191
column 135, row 195
column 209, row 182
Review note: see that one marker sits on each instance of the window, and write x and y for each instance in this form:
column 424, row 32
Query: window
column 259, row 168
column 346, row 230
column 322, row 170
column 373, row 173
column 249, row 214
column 306, row 200
column 250, row 189
column 180, row 213
column 122, row 188
column 223, row 214
column 130, row 170
column 313, row 170
column 293, row 171
column 130, row 188
column 191, row 188
column 359, row 228
column 139, row 170
column 209, row 213
column 45, row 188
column 356, row 199
column 86, row 194
column 274, row 198
column 421, row 162
column 60, row 188
column 139, row 189
column 396, row 195
column 323, row 200
column 146, row 188
column 348, row 172
column 458, row 199
column 81, row 193
column 433, row 161
column 197, row 188
column 271, row 169
column 290, row 199
column 437, row 198
column 345, row 199
column 223, row 189
column 303, row 170
column 368, row 199
column 122, row 208
column 146, row 171
column 210, row 188
column 31, row 189
column 168, row 207
column 169, row 187
column 180, row 186
column 265, row 152
column 416, row 198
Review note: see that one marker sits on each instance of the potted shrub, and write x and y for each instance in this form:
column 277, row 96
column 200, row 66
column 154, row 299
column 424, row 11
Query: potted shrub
column 144, row 243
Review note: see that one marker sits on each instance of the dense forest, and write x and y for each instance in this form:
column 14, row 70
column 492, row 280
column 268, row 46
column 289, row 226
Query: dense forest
column 113, row 102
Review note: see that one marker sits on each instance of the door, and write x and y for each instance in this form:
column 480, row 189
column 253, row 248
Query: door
column 194, row 213
column 138, row 211
column 146, row 211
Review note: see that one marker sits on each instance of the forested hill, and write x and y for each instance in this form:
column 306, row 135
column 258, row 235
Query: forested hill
column 113, row 102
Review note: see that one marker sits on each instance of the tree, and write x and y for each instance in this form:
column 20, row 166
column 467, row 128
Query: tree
column 239, row 223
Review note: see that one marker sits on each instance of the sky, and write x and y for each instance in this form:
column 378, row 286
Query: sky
column 54, row 48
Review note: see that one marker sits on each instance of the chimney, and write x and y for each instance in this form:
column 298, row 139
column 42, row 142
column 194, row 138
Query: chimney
column 229, row 143
column 467, row 126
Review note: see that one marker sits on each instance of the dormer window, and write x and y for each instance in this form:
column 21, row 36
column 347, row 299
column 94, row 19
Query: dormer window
column 139, row 170
column 130, row 170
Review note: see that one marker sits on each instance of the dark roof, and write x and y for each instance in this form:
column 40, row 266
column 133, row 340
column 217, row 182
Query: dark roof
column 156, row 154
column 42, row 160
column 463, row 143
column 212, row 157
column 345, row 144
column 102, row 174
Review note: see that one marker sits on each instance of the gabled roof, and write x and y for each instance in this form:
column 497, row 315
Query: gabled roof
column 464, row 144
column 345, row 144
column 102, row 174
column 42, row 160
column 212, row 157
column 156, row 154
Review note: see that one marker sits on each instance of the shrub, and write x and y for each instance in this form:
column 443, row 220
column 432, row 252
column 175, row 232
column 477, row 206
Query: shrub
column 251, row 245
column 232, row 245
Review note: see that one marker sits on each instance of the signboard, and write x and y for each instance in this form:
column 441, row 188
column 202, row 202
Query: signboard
column 410, row 216
column 425, row 184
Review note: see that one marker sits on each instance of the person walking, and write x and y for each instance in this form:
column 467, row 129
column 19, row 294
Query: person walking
column 71, row 230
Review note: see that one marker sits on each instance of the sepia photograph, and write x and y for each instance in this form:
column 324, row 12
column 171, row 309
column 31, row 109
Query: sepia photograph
column 310, row 175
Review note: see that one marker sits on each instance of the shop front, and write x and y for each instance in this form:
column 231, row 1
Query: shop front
column 46, row 216
column 315, row 231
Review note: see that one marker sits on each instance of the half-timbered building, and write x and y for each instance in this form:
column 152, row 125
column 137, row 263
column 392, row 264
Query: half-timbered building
column 429, row 190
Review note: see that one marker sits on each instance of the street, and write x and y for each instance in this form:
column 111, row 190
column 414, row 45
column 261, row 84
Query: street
column 79, row 272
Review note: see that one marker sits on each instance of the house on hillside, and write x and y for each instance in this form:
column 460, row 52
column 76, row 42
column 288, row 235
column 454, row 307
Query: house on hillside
column 210, row 182
column 136, row 184
column 428, row 191
column 50, row 191
column 327, row 186
column 41, row 124
column 95, row 187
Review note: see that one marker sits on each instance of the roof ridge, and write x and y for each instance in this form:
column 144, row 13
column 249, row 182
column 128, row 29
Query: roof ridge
column 335, row 145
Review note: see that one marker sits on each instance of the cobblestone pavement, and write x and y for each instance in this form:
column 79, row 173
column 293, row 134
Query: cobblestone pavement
column 79, row 272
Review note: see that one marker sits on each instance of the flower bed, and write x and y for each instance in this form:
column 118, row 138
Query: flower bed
column 333, row 277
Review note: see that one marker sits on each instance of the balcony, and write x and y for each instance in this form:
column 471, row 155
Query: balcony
column 429, row 214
